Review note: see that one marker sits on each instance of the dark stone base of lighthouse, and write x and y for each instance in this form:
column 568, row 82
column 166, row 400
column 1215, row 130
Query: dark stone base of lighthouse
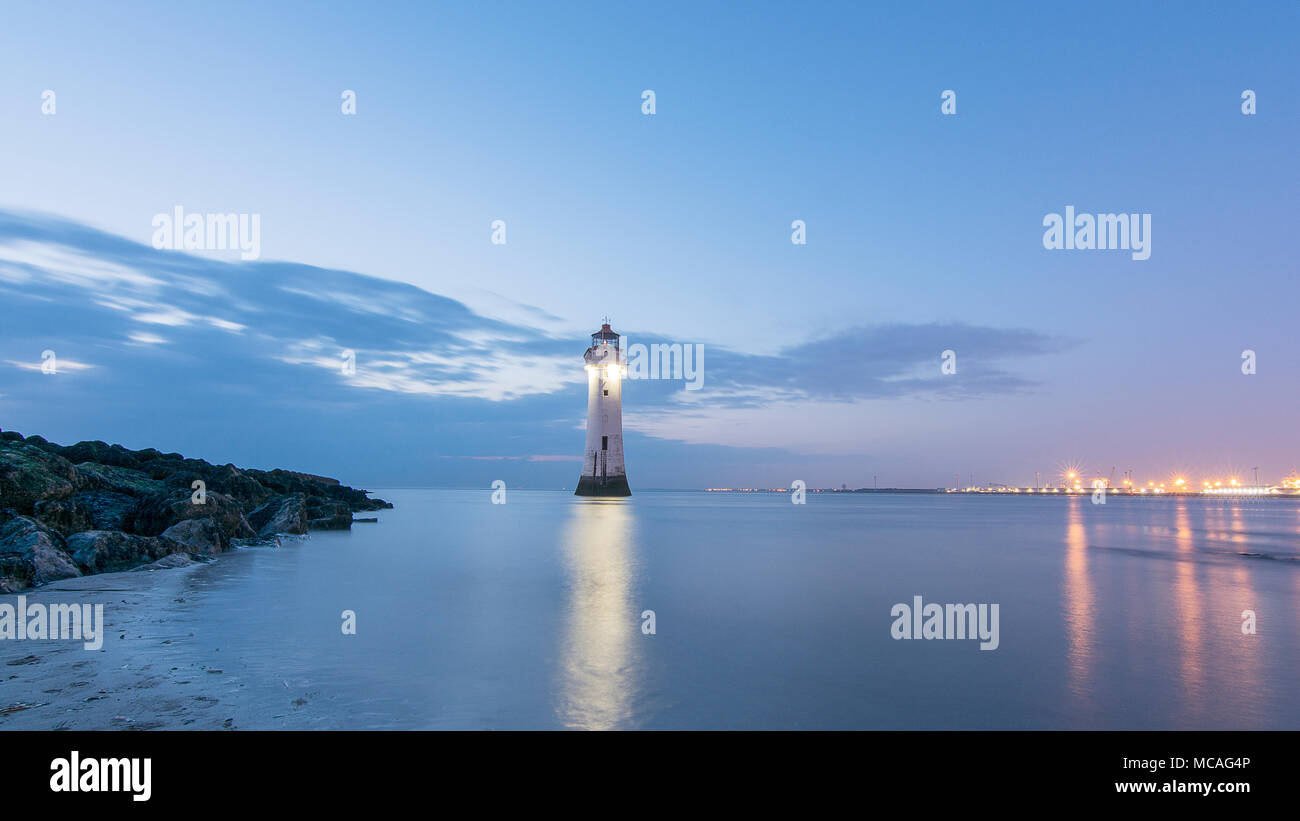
column 603, row 486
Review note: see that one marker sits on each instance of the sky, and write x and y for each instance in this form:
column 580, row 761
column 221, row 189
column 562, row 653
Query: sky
column 924, row 234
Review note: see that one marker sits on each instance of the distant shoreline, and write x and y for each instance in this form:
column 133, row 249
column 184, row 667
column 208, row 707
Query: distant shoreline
column 1049, row 492
column 1036, row 492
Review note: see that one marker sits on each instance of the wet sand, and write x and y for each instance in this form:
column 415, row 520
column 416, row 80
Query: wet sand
column 151, row 672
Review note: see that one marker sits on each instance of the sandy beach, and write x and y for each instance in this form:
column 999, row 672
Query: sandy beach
column 155, row 670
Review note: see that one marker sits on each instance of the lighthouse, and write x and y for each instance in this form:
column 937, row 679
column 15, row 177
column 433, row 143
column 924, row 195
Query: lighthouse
column 603, row 473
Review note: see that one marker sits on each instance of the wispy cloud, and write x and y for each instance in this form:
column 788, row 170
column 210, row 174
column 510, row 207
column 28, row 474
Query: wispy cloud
column 273, row 339
column 61, row 365
column 146, row 338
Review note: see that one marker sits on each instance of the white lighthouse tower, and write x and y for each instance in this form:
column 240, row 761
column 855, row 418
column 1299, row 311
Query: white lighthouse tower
column 603, row 473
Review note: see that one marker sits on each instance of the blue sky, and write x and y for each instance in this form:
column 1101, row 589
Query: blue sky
column 924, row 232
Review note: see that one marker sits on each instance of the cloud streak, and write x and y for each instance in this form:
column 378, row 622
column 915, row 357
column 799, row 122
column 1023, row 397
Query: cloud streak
column 196, row 346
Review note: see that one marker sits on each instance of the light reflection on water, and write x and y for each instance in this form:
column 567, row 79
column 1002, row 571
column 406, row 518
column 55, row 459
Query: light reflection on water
column 1176, row 645
column 1078, row 605
column 1188, row 604
column 601, row 663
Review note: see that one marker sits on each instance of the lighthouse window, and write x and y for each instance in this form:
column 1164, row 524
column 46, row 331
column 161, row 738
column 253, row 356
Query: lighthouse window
column 607, row 391
column 604, row 443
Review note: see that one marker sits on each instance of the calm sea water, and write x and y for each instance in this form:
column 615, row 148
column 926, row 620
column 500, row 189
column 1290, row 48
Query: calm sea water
column 767, row 614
